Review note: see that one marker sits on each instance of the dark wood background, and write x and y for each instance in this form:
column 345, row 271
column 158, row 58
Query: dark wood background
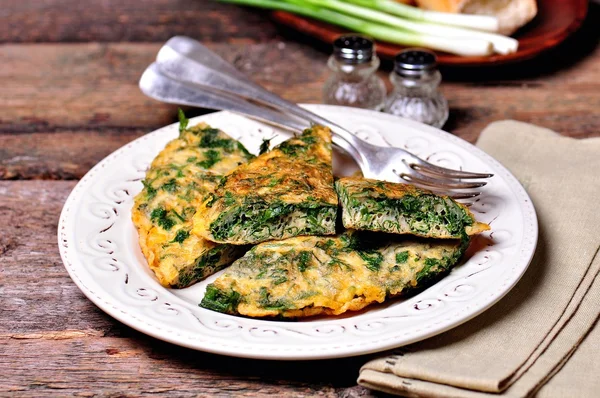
column 69, row 97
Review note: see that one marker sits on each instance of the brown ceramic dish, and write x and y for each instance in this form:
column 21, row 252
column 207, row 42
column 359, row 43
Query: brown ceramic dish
column 556, row 20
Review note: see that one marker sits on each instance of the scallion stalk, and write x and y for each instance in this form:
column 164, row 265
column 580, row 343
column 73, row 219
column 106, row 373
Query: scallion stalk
column 502, row 44
column 480, row 22
column 462, row 46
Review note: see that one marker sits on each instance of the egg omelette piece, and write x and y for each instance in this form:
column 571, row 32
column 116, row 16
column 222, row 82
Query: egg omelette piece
column 311, row 275
column 285, row 192
column 182, row 174
column 403, row 209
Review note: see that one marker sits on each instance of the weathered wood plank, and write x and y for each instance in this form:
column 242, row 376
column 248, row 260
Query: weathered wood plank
column 55, row 341
column 37, row 294
column 74, row 85
column 139, row 365
column 134, row 21
column 65, row 107
column 59, row 155
column 63, row 86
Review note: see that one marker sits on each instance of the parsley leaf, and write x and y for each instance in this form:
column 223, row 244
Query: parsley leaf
column 159, row 215
column 212, row 157
column 181, row 236
column 183, row 121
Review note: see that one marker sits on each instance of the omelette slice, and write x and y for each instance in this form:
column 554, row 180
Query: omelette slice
column 310, row 275
column 403, row 209
column 285, row 192
column 179, row 178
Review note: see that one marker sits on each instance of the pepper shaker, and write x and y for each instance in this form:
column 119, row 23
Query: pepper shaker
column 415, row 96
column 353, row 81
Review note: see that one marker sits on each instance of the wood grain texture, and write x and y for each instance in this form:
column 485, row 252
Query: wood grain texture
column 67, row 106
column 139, row 366
column 60, row 154
column 69, row 98
column 54, row 341
column 66, row 86
column 133, row 21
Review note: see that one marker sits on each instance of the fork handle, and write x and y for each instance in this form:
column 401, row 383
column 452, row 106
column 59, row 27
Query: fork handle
column 186, row 60
column 154, row 84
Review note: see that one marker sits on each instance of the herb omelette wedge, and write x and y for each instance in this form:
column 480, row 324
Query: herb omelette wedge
column 403, row 209
column 285, row 192
column 310, row 275
column 182, row 174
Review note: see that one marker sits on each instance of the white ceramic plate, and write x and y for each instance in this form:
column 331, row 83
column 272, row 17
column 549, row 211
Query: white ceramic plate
column 98, row 245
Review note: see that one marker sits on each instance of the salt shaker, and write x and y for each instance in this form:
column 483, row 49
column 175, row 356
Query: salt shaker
column 353, row 81
column 415, row 96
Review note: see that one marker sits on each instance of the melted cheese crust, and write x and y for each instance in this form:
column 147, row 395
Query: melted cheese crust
column 285, row 192
column 183, row 173
column 306, row 276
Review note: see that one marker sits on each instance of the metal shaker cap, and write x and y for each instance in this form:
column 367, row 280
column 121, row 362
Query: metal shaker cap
column 415, row 62
column 353, row 49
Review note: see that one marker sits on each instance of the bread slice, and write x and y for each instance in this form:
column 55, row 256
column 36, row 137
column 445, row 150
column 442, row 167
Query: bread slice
column 442, row 5
column 511, row 14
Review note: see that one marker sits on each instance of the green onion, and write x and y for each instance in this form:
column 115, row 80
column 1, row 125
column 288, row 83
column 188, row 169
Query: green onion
column 462, row 46
column 478, row 22
column 501, row 44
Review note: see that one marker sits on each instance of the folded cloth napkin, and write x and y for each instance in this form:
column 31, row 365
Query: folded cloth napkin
column 540, row 339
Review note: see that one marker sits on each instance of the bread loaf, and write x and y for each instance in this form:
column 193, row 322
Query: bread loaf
column 511, row 14
column 442, row 5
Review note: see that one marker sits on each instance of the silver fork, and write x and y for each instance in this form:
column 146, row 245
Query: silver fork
column 192, row 66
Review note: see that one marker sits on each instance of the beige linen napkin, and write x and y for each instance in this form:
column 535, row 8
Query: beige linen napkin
column 539, row 338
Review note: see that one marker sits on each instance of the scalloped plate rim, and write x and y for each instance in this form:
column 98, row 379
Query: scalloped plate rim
column 284, row 352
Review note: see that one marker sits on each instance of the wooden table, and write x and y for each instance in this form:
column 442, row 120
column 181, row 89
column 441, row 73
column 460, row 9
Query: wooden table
column 69, row 97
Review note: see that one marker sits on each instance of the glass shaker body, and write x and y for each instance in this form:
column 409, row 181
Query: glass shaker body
column 353, row 81
column 415, row 94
